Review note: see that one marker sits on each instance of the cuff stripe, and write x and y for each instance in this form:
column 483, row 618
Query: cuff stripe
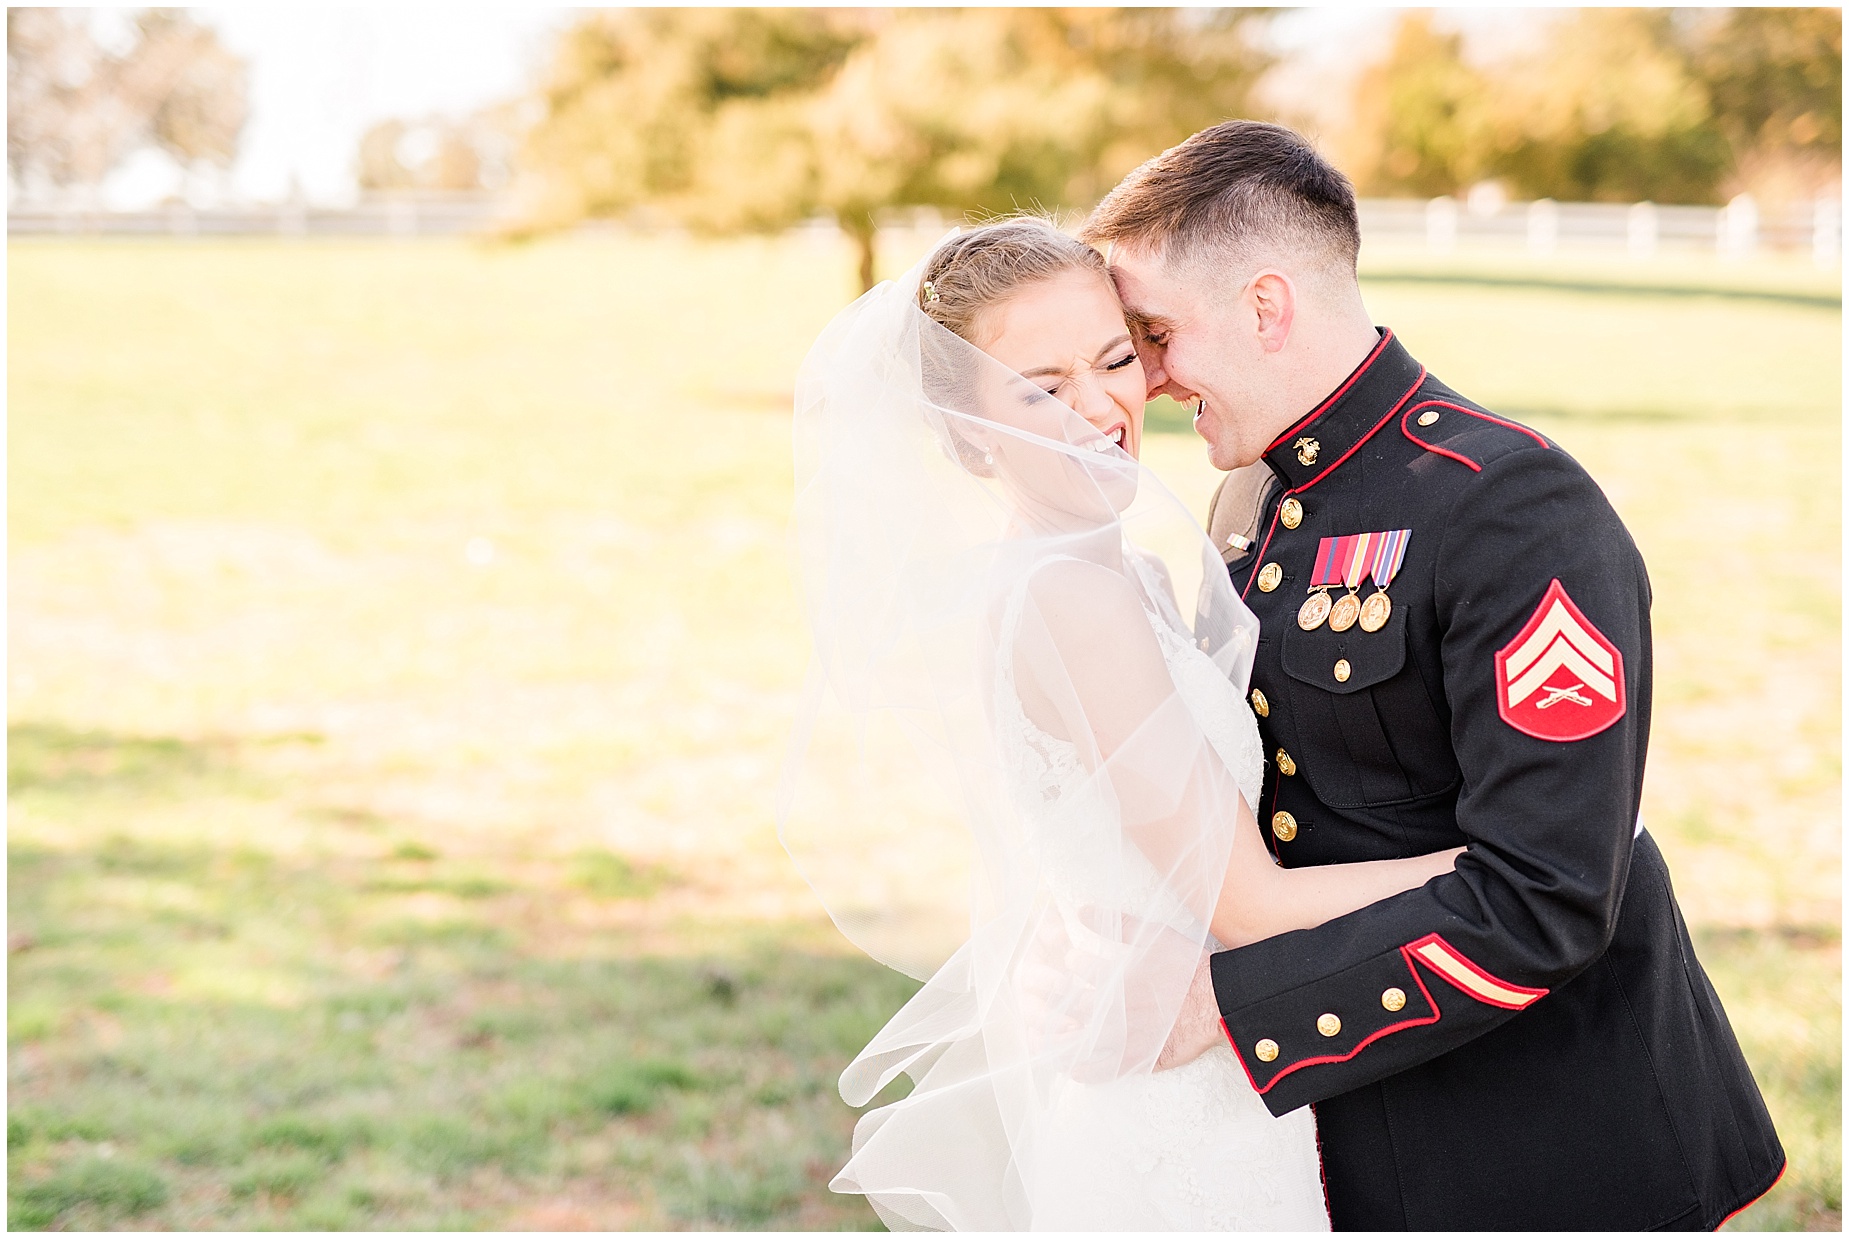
column 1451, row 964
column 1321, row 1059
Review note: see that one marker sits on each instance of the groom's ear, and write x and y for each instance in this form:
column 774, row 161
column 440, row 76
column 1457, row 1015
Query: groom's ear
column 1273, row 299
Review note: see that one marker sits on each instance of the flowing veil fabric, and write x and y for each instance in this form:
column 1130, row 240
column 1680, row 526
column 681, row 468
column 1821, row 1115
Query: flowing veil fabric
column 1012, row 776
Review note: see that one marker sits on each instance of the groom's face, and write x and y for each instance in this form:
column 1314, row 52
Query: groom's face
column 1200, row 346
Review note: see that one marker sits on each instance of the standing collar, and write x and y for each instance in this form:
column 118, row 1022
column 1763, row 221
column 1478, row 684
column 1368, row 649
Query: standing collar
column 1324, row 436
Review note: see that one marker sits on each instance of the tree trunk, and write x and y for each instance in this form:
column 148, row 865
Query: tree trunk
column 861, row 229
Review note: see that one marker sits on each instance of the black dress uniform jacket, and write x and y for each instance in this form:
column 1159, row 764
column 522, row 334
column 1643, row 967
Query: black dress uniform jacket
column 1528, row 1043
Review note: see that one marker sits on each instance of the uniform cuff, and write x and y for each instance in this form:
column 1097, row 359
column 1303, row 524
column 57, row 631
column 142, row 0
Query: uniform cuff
column 1305, row 1027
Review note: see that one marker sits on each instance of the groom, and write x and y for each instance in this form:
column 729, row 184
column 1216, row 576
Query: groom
column 1454, row 649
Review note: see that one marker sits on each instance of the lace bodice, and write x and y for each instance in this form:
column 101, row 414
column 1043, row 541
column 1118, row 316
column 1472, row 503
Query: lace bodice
column 1187, row 1149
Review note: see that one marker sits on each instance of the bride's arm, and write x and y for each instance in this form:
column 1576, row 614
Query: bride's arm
column 1093, row 672
column 1259, row 899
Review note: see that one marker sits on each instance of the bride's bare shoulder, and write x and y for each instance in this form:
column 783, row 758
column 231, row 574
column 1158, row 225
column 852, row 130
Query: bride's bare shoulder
column 1085, row 604
column 1064, row 583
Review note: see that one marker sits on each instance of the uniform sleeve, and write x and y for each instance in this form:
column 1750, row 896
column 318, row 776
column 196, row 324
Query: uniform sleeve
column 1543, row 614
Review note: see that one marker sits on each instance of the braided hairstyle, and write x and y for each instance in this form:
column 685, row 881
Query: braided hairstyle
column 975, row 271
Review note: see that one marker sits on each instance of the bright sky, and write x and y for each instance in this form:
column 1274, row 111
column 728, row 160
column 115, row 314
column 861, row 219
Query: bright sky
column 320, row 76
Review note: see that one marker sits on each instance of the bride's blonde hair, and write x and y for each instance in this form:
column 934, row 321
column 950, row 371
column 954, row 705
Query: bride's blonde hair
column 975, row 271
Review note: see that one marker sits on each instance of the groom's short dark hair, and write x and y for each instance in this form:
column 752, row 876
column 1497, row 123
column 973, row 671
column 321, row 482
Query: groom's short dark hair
column 1236, row 188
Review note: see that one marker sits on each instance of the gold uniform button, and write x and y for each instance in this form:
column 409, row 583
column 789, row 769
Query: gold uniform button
column 1342, row 670
column 1284, row 826
column 1393, row 998
column 1266, row 1049
column 1268, row 577
column 1260, row 706
column 1428, row 417
column 1291, row 514
column 1285, row 764
column 1327, row 1024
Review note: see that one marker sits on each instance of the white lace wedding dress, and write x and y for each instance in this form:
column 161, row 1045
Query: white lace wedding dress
column 934, row 485
column 1191, row 1148
column 983, row 1143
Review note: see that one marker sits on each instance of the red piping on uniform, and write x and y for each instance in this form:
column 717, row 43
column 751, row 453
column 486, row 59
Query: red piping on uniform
column 1316, row 412
column 1755, row 1200
column 1488, row 417
column 1472, row 465
column 1491, row 417
column 1471, row 966
column 1365, row 1042
column 1228, row 1030
column 1264, row 546
column 1336, row 463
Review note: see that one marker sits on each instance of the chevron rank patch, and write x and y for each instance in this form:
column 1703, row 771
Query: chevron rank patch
column 1559, row 679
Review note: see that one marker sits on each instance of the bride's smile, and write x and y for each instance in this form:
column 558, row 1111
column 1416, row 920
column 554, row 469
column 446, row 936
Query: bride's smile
column 1066, row 336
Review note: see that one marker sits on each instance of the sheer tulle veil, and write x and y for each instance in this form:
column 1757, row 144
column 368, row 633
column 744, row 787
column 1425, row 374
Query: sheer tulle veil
column 962, row 540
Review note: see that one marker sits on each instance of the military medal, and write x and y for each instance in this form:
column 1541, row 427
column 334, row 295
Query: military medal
column 1376, row 611
column 1347, row 561
column 1385, row 555
column 1314, row 611
column 1344, row 613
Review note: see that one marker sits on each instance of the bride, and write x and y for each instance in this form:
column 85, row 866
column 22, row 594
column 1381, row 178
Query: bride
column 1005, row 671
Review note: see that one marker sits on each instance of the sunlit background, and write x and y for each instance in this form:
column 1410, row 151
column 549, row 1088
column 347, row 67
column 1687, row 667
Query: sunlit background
column 401, row 649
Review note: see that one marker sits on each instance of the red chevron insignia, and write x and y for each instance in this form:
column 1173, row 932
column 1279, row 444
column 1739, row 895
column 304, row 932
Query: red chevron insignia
column 1559, row 679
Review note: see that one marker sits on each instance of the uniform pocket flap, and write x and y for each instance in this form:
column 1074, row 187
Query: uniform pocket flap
column 1345, row 662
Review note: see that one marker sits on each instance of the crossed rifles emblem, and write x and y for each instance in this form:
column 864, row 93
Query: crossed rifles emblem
column 1557, row 695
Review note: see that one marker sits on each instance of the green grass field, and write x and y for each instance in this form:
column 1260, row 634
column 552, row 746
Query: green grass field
column 401, row 657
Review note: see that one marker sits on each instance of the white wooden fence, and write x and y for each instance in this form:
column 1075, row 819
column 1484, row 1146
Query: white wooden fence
column 1639, row 229
column 1442, row 224
column 424, row 215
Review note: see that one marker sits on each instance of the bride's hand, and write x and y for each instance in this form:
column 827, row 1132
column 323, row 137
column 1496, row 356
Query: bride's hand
column 1099, row 1008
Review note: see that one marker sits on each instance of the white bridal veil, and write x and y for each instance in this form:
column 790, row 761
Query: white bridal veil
column 1011, row 775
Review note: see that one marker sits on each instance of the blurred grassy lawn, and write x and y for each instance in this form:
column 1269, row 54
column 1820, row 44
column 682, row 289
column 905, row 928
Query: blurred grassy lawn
column 401, row 655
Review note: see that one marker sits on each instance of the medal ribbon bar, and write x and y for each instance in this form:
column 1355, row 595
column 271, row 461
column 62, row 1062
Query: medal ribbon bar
column 1351, row 558
column 1389, row 552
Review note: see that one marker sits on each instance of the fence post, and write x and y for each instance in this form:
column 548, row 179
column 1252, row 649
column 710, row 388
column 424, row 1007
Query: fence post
column 1543, row 225
column 1441, row 224
column 1736, row 228
column 1640, row 229
column 1826, row 237
column 401, row 217
column 292, row 219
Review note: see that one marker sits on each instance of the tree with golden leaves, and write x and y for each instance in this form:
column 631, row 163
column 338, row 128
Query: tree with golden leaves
column 732, row 120
column 1670, row 105
column 76, row 109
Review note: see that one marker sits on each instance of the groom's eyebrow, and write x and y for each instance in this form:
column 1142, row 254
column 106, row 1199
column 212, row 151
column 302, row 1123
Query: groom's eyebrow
column 1144, row 325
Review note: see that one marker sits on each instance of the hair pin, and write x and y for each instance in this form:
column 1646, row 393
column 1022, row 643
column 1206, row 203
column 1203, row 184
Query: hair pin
column 930, row 291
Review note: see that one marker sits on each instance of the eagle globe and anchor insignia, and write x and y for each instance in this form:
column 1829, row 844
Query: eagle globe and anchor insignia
column 1560, row 678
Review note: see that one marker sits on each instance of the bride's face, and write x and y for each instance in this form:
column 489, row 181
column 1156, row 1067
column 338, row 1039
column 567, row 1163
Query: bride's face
column 1066, row 340
column 1067, row 336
